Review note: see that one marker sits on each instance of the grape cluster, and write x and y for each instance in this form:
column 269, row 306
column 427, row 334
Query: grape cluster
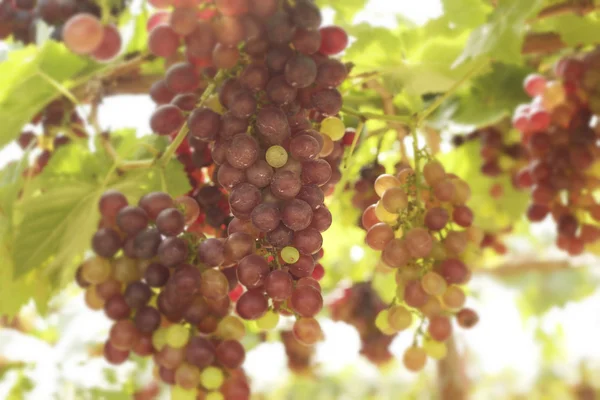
column 560, row 130
column 501, row 155
column 60, row 123
column 75, row 22
column 358, row 306
column 273, row 134
column 146, row 278
column 422, row 227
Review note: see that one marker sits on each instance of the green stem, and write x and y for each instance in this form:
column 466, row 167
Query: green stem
column 170, row 151
column 359, row 129
column 423, row 115
column 364, row 116
column 138, row 164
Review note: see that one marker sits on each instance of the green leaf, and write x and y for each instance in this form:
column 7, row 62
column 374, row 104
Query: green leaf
column 25, row 91
column 574, row 30
column 488, row 98
column 466, row 13
column 501, row 38
column 491, row 214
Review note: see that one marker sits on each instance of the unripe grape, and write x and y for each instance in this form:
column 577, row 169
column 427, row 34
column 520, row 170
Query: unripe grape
column 399, row 318
column 378, row 236
column 276, row 156
column 433, row 172
column 384, row 215
column 333, row 127
column 454, row 297
column 382, row 323
column 307, row 331
column 414, row 359
column 290, row 254
column 211, row 378
column 434, row 349
column 385, row 182
column 268, row 321
column 187, row 376
column 231, row 328
column 96, row 270
column 440, row 328
column 177, row 336
column 432, row 307
column 418, row 242
column 394, row 200
column 159, row 339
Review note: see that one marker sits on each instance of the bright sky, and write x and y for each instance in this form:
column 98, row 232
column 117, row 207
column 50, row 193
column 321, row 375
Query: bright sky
column 501, row 341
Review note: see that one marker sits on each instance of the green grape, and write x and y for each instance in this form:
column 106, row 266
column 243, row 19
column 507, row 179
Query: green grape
column 290, row 254
column 434, row 349
column 214, row 396
column 159, row 339
column 276, row 156
column 96, row 270
column 384, row 215
column 231, row 328
column 268, row 321
column 333, row 127
column 382, row 323
column 211, row 378
column 177, row 336
column 399, row 318
column 179, row 393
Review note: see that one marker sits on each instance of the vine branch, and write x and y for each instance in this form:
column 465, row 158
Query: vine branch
column 524, row 267
column 581, row 7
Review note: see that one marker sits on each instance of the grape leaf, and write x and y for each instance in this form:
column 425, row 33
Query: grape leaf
column 26, row 92
column 466, row 13
column 573, row 29
column 501, row 38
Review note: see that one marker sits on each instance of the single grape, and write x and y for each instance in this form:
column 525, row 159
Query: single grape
column 252, row 305
column 83, row 33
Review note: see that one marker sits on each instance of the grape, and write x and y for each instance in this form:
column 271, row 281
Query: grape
column 307, row 241
column 306, row 301
column 211, row 378
column 455, row 242
column 187, row 376
column 225, row 57
column 259, row 174
column 183, row 20
column 229, row 177
column 106, row 242
column 433, row 283
column 110, row 45
column 230, row 354
column 300, row 71
column 132, row 220
column 170, row 357
column 163, row 41
column 313, row 195
column 296, row 215
column 229, row 31
column 126, row 270
column 399, row 318
column 238, row 245
column 244, row 197
column 268, row 321
column 306, row 41
column 462, row 192
column 378, row 236
column 322, row 219
column 454, row 297
column 116, row 308
column 534, row 84
column 279, row 91
column 252, row 305
column 254, row 77
column 285, row 185
column 266, row 217
column 114, row 355
column 463, row 216
column 304, row 147
column 414, row 359
column 204, row 124
column 252, row 271
column 166, row 119
column 436, row 218
column 316, row 172
column 211, row 252
column 173, row 251
column 166, row 375
column 414, row 295
column 382, row 323
column 170, row 222
column 182, row 78
column 303, row 267
column 280, row 28
column 306, row 15
column 191, row 210
column 419, row 242
column 467, row 318
column 155, row 202
column 185, row 101
column 307, row 331
column 454, row 271
column 177, row 336
column 96, row 270
column 214, row 285
column 83, row 33
column 146, row 243
column 243, row 104
column 290, row 254
column 278, row 285
column 200, row 352
column 433, row 172
column 108, row 289
column 92, row 299
column 201, row 41
column 567, row 225
column 272, row 125
column 232, row 125
column 331, row 73
column 137, row 294
column 123, row 335
column 395, row 253
column 439, row 328
column 147, row 319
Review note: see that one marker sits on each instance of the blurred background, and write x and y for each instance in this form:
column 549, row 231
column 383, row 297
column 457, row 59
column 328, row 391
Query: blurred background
column 536, row 339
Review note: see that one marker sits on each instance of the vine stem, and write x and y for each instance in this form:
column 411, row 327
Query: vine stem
column 170, row 151
column 423, row 115
column 364, row 116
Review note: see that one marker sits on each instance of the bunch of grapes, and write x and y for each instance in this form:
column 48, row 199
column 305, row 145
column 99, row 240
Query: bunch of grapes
column 501, row 155
column 423, row 229
column 358, row 306
column 273, row 134
column 560, row 130
column 148, row 277
column 76, row 23
column 60, row 124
